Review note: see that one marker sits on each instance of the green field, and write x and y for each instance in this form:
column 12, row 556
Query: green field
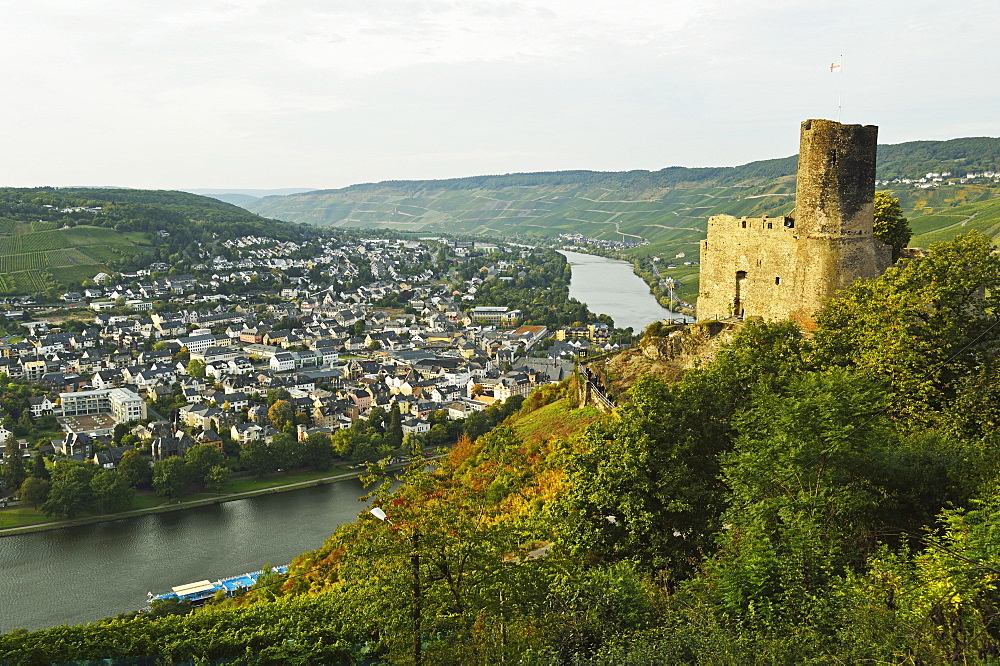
column 35, row 257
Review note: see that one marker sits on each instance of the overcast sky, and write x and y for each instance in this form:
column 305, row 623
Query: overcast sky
column 326, row 93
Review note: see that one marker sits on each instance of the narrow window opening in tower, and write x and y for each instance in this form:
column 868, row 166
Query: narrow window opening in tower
column 770, row 225
column 777, row 280
column 744, row 224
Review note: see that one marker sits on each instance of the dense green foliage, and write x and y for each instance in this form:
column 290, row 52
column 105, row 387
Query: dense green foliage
column 823, row 499
column 959, row 156
column 52, row 239
column 889, row 225
column 541, row 293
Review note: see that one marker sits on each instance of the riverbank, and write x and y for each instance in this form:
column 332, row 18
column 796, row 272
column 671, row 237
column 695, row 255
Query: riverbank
column 201, row 500
column 610, row 286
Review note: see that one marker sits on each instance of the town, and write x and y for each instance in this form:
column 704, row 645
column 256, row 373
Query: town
column 274, row 356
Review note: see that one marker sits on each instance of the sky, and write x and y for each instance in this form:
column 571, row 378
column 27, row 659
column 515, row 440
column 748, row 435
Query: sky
column 186, row 94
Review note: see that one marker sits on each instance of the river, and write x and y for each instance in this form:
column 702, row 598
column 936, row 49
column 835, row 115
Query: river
column 608, row 286
column 82, row 574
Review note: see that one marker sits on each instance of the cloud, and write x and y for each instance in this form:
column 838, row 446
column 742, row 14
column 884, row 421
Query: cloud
column 361, row 89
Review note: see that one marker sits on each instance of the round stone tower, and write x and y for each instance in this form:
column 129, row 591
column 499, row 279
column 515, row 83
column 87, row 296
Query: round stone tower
column 835, row 187
column 788, row 267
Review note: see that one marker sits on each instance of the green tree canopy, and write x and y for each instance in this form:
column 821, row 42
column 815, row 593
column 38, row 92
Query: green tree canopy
column 34, row 491
column 256, row 456
column 921, row 326
column 70, row 491
column 196, row 368
column 111, row 491
column 170, row 477
column 12, row 470
column 890, row 226
column 281, row 413
column 201, row 459
column 317, row 451
column 135, row 469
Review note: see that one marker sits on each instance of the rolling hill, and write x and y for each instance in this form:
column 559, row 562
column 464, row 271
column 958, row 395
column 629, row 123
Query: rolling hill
column 667, row 208
column 53, row 239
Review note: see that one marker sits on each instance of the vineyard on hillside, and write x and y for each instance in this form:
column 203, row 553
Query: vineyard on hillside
column 35, row 257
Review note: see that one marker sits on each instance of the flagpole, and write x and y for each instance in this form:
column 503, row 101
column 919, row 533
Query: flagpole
column 840, row 86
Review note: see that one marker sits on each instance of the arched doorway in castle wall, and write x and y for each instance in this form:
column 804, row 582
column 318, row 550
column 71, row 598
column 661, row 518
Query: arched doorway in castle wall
column 738, row 305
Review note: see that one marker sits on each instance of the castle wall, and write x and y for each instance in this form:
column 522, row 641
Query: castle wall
column 754, row 256
column 788, row 267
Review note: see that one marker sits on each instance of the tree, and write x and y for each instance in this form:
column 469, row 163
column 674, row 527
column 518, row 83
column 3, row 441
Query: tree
column 276, row 395
column 923, row 325
column 217, row 478
column 285, row 451
column 12, row 468
column 170, row 477
column 38, row 468
column 376, row 419
column 70, row 491
column 135, row 469
column 34, row 491
column 196, row 368
column 111, row 491
column 256, row 457
column 201, row 459
column 890, row 226
column 394, row 429
column 281, row 413
column 438, row 434
column 121, row 429
column 476, row 424
column 317, row 451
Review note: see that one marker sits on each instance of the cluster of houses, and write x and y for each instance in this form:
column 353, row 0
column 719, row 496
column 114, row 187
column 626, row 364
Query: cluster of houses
column 936, row 178
column 335, row 354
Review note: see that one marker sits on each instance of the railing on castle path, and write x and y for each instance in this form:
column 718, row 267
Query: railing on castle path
column 603, row 398
column 597, row 388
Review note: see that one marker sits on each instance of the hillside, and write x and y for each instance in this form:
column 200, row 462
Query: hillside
column 53, row 239
column 667, row 208
column 820, row 499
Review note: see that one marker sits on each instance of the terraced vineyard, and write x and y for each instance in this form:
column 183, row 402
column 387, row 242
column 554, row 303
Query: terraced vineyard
column 35, row 257
column 668, row 208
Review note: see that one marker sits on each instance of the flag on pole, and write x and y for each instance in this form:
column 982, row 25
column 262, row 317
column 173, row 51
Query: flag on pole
column 834, row 66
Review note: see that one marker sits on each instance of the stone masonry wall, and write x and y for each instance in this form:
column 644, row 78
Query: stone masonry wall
column 787, row 267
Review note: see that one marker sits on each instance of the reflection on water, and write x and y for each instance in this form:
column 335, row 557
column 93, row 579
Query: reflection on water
column 82, row 574
column 608, row 286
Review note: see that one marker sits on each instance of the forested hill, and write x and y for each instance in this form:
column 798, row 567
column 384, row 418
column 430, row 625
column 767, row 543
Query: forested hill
column 668, row 208
column 191, row 206
column 54, row 239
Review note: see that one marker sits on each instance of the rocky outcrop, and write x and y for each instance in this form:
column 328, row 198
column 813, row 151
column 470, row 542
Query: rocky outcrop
column 686, row 346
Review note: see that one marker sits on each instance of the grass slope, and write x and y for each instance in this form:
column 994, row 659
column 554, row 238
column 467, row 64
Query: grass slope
column 31, row 261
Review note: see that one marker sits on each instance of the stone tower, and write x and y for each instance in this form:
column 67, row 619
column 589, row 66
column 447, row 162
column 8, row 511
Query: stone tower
column 788, row 267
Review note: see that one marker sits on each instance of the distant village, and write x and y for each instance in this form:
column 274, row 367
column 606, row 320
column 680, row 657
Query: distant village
column 935, row 179
column 208, row 344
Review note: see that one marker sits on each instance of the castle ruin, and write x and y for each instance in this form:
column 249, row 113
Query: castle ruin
column 787, row 267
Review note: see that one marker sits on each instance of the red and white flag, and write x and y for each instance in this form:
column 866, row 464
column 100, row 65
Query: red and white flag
column 834, row 66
